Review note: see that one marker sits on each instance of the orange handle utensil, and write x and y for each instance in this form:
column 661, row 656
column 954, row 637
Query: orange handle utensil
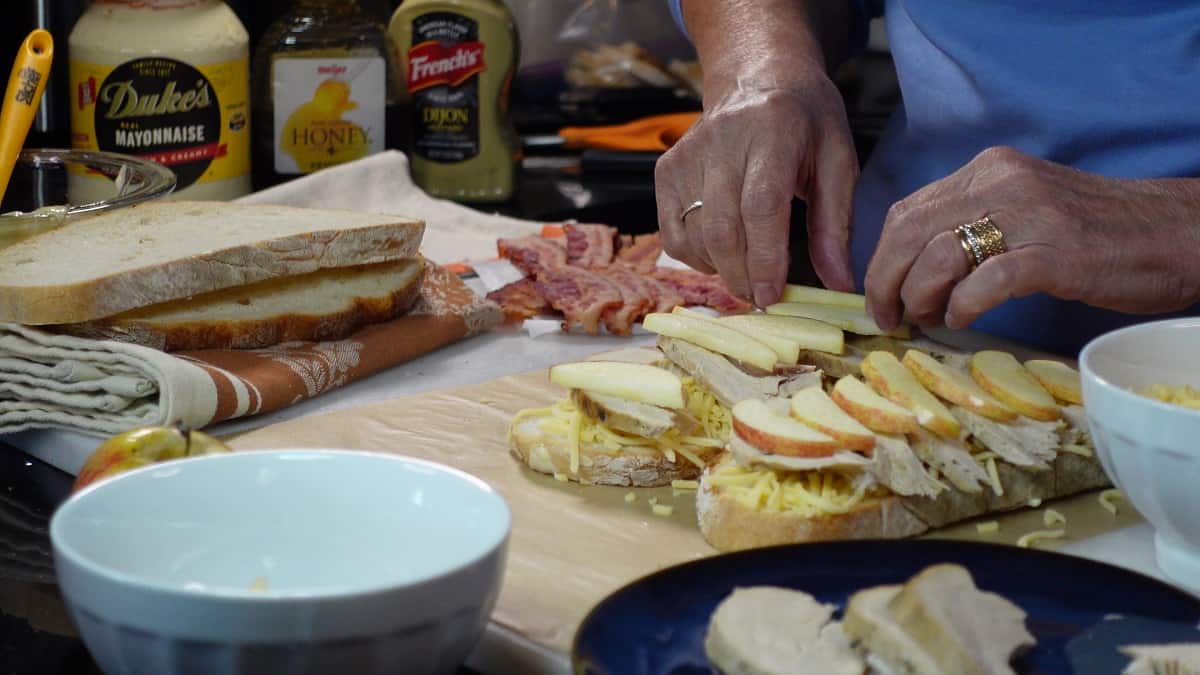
column 656, row 133
column 30, row 71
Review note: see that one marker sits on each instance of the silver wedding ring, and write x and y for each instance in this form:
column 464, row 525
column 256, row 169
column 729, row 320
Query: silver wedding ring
column 694, row 206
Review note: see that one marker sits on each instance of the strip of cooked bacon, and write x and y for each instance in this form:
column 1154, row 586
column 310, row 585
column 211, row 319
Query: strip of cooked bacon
column 520, row 300
column 532, row 253
column 580, row 295
column 701, row 289
column 590, row 246
column 636, row 300
column 665, row 297
column 642, row 254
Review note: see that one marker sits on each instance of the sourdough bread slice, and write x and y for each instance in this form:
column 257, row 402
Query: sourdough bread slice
column 730, row 525
column 549, row 452
column 324, row 305
column 151, row 253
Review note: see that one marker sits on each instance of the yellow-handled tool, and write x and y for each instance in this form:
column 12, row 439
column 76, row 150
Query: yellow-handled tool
column 30, row 72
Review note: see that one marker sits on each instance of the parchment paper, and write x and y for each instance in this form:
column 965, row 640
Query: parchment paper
column 571, row 545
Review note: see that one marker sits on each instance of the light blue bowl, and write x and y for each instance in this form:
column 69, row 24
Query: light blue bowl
column 1150, row 449
column 282, row 561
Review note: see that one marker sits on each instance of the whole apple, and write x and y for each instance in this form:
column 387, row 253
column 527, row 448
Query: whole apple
column 146, row 445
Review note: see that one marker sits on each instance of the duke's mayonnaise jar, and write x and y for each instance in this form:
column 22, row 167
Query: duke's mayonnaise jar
column 168, row 80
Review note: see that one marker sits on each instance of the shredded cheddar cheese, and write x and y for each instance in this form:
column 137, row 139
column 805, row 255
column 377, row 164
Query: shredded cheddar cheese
column 662, row 510
column 1050, row 518
column 808, row 493
column 630, row 497
column 994, row 476
column 988, row 527
column 1182, row 395
column 1108, row 500
column 685, row 484
column 1076, row 449
column 702, row 405
column 566, row 419
column 1031, row 538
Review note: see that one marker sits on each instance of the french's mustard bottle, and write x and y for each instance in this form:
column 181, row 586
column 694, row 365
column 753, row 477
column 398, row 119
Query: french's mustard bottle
column 458, row 58
column 168, row 80
column 324, row 91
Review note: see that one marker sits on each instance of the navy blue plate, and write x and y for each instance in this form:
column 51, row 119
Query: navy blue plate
column 656, row 625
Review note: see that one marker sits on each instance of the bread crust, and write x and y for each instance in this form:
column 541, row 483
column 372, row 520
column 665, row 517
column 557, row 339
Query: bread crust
column 729, row 525
column 219, row 246
column 632, row 466
column 254, row 333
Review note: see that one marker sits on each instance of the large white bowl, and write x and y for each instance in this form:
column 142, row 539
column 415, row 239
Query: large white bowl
column 372, row 564
column 1150, row 449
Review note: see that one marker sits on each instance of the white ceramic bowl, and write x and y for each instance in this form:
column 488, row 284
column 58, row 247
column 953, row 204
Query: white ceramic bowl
column 1150, row 449
column 371, row 564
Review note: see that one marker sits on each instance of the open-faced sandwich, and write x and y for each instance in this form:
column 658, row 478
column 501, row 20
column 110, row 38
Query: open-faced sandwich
column 799, row 432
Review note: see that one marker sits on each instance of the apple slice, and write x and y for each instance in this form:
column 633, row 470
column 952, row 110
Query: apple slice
column 822, row 296
column 1061, row 380
column 632, row 381
column 1002, row 376
column 813, row 407
column 850, row 319
column 809, row 333
column 772, row 432
column 955, row 386
column 889, row 377
column 714, row 337
column 786, row 349
column 874, row 411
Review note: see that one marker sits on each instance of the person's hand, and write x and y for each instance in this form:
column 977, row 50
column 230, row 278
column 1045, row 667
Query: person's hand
column 756, row 146
column 1121, row 244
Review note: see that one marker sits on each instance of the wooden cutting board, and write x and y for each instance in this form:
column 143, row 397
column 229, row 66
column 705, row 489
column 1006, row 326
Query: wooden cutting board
column 571, row 545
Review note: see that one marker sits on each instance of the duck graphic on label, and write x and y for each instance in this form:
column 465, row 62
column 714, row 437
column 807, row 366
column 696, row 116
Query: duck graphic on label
column 329, row 124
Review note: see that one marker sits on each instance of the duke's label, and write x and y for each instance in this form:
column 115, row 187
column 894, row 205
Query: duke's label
column 327, row 111
column 194, row 120
column 443, row 67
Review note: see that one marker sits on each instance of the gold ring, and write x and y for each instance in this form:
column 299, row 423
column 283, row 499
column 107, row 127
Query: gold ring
column 980, row 239
column 691, row 207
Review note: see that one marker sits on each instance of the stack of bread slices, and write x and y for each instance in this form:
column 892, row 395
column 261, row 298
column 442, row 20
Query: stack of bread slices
column 210, row 275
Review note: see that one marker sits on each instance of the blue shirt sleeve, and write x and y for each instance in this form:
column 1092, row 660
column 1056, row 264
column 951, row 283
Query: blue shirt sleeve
column 677, row 12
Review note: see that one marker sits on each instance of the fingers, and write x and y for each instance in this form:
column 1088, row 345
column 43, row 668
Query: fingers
column 721, row 227
column 1011, row 275
column 674, row 177
column 766, row 212
column 911, row 224
column 830, row 203
column 927, row 288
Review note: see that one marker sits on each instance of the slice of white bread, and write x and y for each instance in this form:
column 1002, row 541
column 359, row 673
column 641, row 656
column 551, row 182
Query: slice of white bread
column 151, row 253
column 550, row 452
column 324, row 305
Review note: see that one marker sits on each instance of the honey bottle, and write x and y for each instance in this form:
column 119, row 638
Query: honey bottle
column 457, row 59
column 324, row 91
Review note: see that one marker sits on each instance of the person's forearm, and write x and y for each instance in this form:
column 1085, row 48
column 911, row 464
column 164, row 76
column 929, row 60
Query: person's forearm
column 766, row 41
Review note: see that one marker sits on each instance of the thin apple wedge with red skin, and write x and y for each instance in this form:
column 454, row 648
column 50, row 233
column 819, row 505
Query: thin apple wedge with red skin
column 772, row 432
column 872, row 410
column 814, row 408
